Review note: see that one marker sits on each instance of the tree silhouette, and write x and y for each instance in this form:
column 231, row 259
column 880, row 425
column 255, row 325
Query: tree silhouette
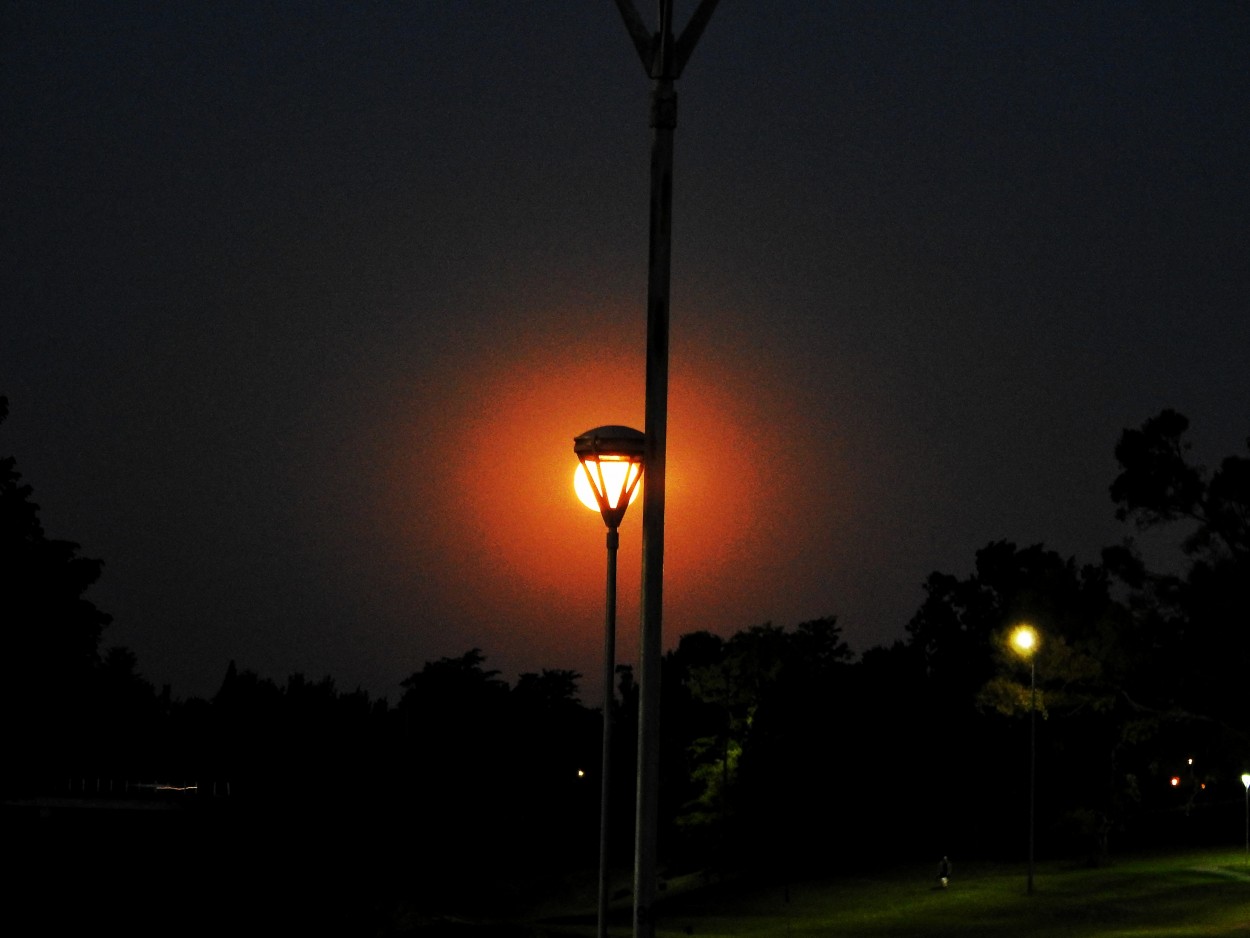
column 1158, row 485
column 51, row 660
column 1199, row 615
column 1193, row 621
column 759, row 776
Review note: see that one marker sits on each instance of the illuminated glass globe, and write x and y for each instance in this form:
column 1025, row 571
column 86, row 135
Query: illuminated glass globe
column 610, row 472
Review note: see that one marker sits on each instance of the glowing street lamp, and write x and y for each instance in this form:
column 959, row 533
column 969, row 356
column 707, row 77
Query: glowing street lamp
column 607, row 480
column 1024, row 640
column 598, row 485
column 1245, row 780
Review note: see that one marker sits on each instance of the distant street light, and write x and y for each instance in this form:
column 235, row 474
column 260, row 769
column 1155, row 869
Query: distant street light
column 607, row 480
column 1245, row 780
column 1025, row 641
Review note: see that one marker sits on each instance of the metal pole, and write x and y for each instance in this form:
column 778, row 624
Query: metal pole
column 609, row 671
column 1032, row 761
column 663, row 120
column 663, row 57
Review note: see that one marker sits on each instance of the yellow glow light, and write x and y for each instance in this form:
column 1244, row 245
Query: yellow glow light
column 617, row 475
column 1024, row 639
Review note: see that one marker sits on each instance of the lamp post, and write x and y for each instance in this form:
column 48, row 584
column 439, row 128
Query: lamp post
column 607, row 478
column 1024, row 640
column 663, row 57
column 1245, row 780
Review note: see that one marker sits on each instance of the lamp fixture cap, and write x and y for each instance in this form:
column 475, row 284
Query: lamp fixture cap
column 610, row 440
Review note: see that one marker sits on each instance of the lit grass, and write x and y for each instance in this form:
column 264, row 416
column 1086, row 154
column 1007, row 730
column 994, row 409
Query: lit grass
column 1192, row 895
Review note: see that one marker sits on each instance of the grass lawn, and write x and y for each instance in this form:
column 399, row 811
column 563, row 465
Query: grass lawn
column 1189, row 895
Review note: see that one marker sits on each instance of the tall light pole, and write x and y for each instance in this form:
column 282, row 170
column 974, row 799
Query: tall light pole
column 1245, row 780
column 663, row 58
column 607, row 478
column 1024, row 639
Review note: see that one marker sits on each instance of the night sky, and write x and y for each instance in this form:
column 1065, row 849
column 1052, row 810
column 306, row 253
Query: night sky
column 303, row 305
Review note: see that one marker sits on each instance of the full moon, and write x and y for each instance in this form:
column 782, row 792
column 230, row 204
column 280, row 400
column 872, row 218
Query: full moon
column 616, row 475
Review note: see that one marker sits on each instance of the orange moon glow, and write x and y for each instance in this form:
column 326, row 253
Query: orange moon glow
column 615, row 478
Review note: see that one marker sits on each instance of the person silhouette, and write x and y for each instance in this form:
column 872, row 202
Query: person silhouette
column 944, row 871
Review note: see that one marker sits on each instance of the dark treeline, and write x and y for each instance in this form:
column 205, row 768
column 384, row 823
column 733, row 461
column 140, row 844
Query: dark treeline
column 782, row 749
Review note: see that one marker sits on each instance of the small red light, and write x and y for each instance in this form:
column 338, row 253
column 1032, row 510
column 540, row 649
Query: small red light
column 1176, row 780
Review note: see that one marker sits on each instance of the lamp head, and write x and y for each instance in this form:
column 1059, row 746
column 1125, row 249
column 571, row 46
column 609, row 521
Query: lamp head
column 1024, row 640
column 610, row 460
column 1245, row 780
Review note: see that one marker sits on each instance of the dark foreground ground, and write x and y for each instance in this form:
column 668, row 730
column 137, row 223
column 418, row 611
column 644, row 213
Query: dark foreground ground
column 176, row 867
column 153, row 867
